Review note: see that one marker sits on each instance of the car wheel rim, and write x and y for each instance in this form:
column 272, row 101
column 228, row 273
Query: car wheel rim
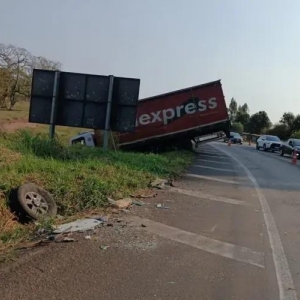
column 36, row 203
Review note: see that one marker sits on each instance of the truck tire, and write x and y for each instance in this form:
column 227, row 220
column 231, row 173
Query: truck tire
column 36, row 201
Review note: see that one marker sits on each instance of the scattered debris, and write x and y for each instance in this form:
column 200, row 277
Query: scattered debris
column 125, row 210
column 88, row 237
column 104, row 247
column 79, row 226
column 143, row 225
column 68, row 239
column 111, row 201
column 144, row 194
column 60, row 238
column 40, row 231
column 138, row 203
column 103, row 219
column 162, row 206
column 99, row 218
column 159, row 183
column 122, row 204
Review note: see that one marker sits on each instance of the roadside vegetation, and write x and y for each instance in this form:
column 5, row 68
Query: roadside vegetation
column 79, row 178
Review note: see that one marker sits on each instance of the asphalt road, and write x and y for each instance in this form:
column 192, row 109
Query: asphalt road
column 229, row 230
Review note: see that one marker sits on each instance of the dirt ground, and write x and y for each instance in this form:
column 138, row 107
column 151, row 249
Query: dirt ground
column 16, row 124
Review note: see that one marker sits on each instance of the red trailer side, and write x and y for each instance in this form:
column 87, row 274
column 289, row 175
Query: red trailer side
column 179, row 113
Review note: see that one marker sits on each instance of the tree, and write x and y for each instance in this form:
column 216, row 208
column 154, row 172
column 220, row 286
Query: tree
column 243, row 109
column 16, row 67
column 5, row 81
column 296, row 124
column 288, row 119
column 296, row 135
column 242, row 117
column 259, row 122
column 15, row 62
column 232, row 109
column 280, row 130
column 237, row 127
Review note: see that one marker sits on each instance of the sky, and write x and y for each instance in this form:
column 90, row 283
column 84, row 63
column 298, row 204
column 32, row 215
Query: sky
column 252, row 46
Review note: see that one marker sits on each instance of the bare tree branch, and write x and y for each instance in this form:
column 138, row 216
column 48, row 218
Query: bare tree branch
column 16, row 68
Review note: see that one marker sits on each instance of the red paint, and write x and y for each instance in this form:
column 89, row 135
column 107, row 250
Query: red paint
column 178, row 111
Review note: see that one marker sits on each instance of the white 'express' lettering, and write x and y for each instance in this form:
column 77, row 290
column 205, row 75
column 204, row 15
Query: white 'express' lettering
column 170, row 113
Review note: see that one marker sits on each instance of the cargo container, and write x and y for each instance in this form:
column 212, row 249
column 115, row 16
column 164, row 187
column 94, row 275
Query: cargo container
column 177, row 117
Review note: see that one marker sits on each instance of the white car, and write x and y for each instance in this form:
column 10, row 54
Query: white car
column 268, row 143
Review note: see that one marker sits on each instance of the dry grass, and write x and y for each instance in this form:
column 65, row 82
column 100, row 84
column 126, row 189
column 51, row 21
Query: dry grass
column 20, row 112
column 17, row 119
column 12, row 233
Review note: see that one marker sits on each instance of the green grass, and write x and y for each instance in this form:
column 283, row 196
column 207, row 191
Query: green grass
column 80, row 178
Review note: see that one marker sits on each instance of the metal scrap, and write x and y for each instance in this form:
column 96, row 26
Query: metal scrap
column 78, row 226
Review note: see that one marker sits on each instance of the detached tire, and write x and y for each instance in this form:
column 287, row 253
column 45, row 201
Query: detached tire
column 36, row 201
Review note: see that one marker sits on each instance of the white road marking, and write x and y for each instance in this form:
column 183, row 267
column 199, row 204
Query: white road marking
column 211, row 178
column 213, row 161
column 204, row 243
column 284, row 277
column 201, row 195
column 213, row 168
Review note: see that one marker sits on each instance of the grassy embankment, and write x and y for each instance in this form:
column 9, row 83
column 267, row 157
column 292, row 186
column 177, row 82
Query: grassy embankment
column 79, row 178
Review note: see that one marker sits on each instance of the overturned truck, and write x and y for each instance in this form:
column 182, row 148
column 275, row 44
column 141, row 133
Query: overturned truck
column 178, row 117
column 175, row 119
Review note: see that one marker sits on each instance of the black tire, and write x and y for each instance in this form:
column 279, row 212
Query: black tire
column 257, row 147
column 36, row 201
column 264, row 147
column 281, row 152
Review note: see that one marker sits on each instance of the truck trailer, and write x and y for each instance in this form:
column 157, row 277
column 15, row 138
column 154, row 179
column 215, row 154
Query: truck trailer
column 178, row 117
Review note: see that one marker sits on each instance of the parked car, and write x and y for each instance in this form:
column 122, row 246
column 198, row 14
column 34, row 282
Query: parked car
column 290, row 146
column 268, row 143
column 235, row 138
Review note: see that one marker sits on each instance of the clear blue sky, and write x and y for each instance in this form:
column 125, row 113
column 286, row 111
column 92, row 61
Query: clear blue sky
column 252, row 45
